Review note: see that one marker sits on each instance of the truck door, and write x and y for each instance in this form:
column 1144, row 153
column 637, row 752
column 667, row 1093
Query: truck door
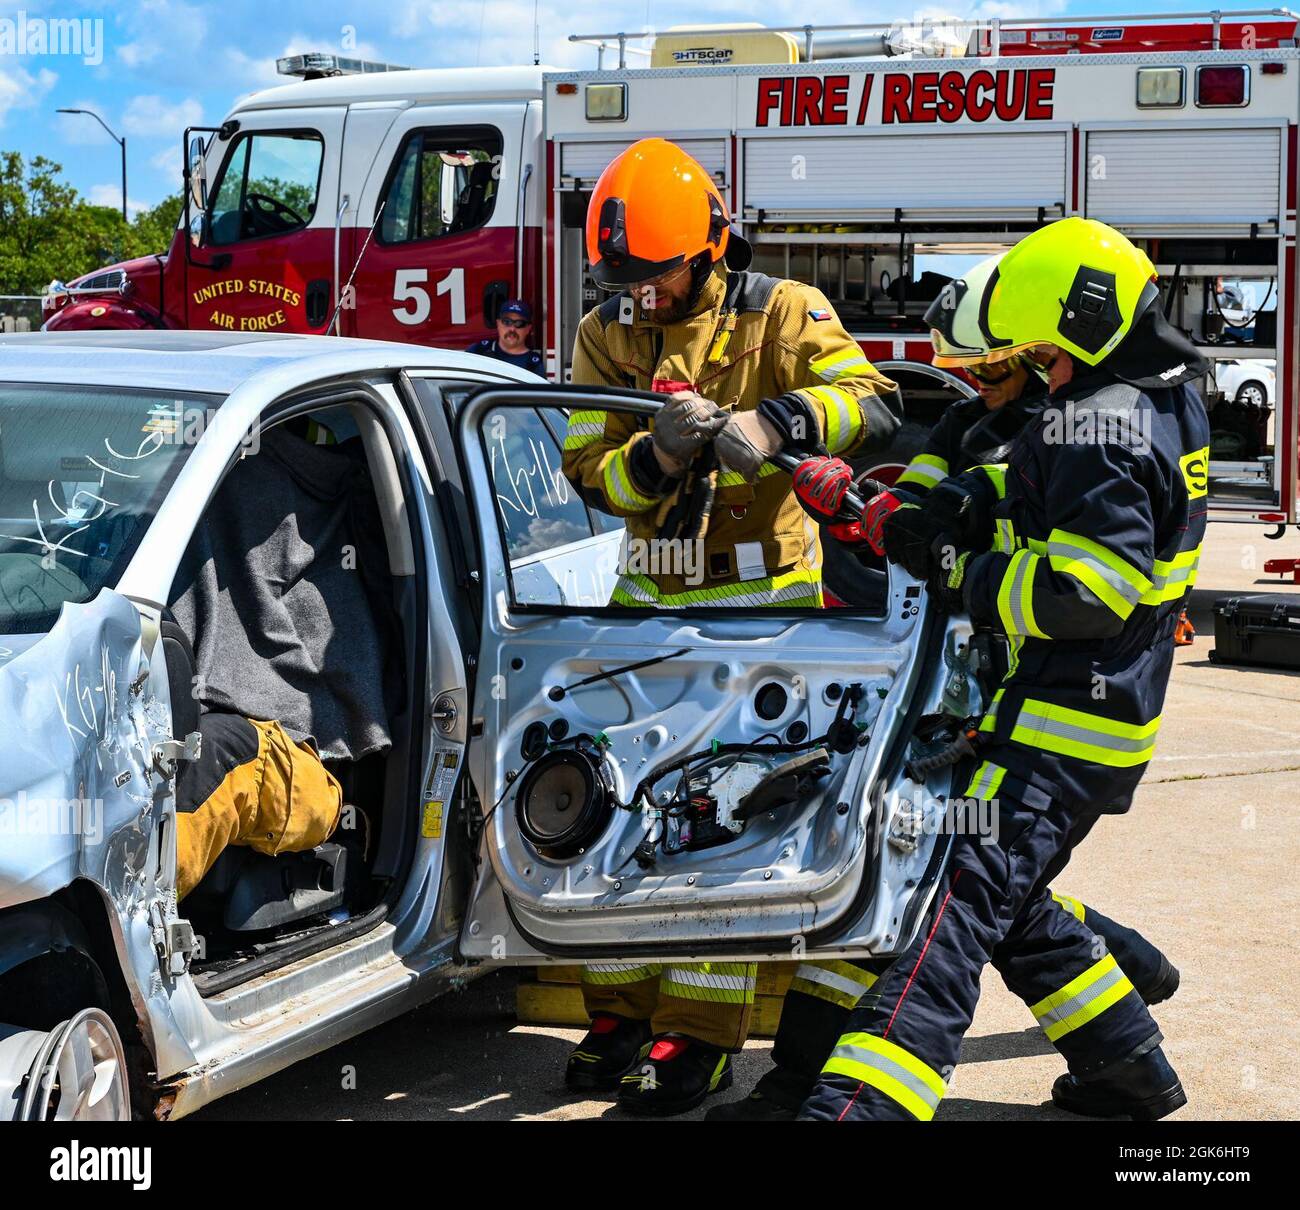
column 441, row 212
column 688, row 781
column 264, row 260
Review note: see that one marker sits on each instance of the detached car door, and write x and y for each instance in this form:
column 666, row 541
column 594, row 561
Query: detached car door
column 707, row 782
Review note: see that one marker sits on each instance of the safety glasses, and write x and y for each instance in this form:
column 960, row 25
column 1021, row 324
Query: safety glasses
column 989, row 375
column 651, row 284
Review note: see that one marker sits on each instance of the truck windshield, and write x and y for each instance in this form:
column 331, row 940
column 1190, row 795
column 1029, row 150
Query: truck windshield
column 83, row 470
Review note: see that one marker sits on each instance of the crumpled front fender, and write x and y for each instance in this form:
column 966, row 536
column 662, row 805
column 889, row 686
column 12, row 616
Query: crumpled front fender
column 79, row 720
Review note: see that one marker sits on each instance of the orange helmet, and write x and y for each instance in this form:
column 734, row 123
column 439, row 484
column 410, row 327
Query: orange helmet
column 653, row 209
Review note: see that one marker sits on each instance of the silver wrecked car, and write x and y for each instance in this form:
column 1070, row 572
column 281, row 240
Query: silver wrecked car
column 513, row 751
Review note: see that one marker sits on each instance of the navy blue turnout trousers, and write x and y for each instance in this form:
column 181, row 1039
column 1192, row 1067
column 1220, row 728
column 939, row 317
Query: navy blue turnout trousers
column 994, row 904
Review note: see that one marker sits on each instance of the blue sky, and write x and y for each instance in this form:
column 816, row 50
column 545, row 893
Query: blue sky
column 165, row 64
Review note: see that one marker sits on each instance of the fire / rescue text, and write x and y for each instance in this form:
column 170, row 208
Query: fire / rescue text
column 1007, row 95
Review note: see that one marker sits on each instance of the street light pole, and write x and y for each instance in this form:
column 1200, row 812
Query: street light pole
column 121, row 142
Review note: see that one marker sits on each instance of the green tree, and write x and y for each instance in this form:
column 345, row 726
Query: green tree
column 48, row 231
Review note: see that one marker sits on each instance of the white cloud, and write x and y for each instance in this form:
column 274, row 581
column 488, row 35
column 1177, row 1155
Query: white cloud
column 151, row 116
column 111, row 196
column 21, row 89
column 162, row 32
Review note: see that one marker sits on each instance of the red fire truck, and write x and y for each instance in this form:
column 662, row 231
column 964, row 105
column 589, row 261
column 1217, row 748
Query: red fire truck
column 876, row 162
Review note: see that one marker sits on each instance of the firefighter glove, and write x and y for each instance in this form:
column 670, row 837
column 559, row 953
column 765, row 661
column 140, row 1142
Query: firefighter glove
column 948, row 578
column 820, row 485
column 747, row 441
column 685, row 424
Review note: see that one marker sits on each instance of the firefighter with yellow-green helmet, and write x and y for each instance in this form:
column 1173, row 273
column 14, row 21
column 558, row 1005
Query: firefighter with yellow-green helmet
column 750, row 365
column 1080, row 548
column 971, row 432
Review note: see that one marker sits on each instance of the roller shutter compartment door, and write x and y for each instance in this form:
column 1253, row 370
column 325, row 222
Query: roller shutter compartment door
column 586, row 161
column 924, row 175
column 1155, row 178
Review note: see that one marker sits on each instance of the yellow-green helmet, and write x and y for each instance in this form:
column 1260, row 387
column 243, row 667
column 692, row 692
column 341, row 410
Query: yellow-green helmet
column 954, row 317
column 1076, row 283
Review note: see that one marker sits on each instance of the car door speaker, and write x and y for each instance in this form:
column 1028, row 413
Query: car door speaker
column 565, row 801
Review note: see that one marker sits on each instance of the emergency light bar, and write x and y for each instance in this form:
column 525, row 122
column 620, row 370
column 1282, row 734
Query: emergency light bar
column 315, row 65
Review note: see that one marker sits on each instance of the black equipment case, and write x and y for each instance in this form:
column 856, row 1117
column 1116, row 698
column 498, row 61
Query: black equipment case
column 1263, row 630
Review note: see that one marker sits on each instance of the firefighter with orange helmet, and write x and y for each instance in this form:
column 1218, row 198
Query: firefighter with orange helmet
column 750, row 365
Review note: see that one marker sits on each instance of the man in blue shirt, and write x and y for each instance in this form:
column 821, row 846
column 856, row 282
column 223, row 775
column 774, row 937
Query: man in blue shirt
column 514, row 326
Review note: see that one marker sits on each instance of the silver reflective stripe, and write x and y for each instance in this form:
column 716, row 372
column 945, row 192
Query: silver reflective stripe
column 895, row 1071
column 847, row 368
column 839, row 434
column 988, row 780
column 925, row 471
column 1024, row 565
column 819, row 974
column 1005, row 539
column 1054, row 1016
column 684, row 976
column 1130, row 592
column 1043, row 725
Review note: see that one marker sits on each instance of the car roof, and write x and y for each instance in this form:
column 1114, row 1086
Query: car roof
column 217, row 362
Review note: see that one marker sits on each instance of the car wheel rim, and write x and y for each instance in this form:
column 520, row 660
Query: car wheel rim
column 1252, row 395
column 79, row 1074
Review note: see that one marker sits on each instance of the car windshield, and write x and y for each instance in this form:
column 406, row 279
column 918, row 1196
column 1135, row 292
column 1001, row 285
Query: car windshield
column 83, row 470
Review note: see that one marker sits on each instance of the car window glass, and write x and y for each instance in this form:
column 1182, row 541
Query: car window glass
column 443, row 183
column 82, row 473
column 268, row 187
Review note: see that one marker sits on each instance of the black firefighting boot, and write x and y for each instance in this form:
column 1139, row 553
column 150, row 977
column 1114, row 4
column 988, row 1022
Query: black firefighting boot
column 612, row 1047
column 675, row 1075
column 1144, row 1088
column 776, row 1098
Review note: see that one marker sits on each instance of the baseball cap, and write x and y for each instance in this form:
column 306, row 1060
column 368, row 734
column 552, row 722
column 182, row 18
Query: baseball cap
column 516, row 306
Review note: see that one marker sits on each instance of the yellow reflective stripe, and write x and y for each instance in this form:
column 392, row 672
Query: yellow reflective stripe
column 735, row 478
column 1113, row 580
column 834, row 981
column 1083, row 999
column 584, row 428
column 799, row 588
column 611, row 974
column 843, row 414
column 712, row 982
column 1014, row 643
column 1016, row 596
column 1171, row 578
column 845, row 363
column 897, row 1073
column 618, row 485
column 987, row 781
column 990, row 718
column 926, row 469
column 997, row 474
column 1073, row 906
column 1004, row 535
column 1086, row 736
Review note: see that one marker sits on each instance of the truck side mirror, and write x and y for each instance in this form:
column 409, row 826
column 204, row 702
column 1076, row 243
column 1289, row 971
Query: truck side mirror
column 198, row 174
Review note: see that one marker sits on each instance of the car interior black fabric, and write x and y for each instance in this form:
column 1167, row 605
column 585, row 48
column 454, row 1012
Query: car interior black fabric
column 286, row 595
